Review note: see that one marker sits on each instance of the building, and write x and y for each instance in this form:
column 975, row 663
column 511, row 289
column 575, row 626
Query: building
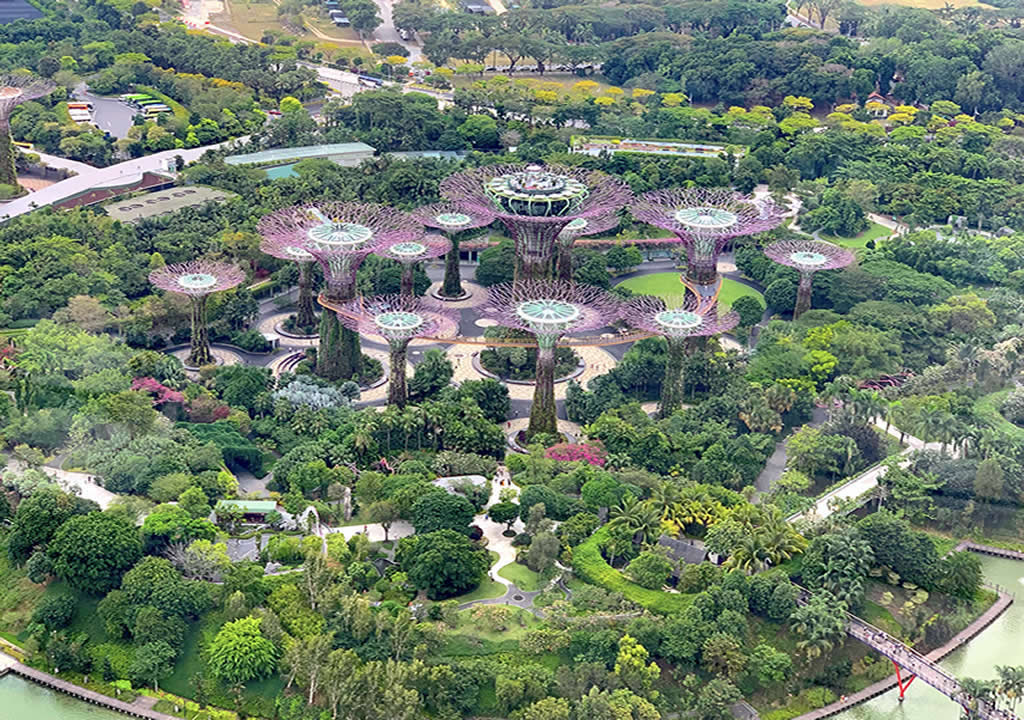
column 346, row 154
column 164, row 202
column 683, row 552
column 252, row 510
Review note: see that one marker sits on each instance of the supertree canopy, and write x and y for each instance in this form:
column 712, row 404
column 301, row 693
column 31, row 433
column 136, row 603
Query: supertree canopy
column 198, row 279
column 808, row 257
column 695, row 318
column 15, row 89
column 398, row 319
column 549, row 309
column 339, row 236
column 305, row 316
column 705, row 220
column 410, row 252
column 536, row 203
column 453, row 220
column 575, row 229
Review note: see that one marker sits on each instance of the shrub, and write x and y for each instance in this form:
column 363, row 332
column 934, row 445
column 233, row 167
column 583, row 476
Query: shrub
column 1013, row 407
column 252, row 341
column 55, row 612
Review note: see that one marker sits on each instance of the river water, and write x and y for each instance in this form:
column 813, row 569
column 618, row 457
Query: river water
column 23, row 700
column 1002, row 643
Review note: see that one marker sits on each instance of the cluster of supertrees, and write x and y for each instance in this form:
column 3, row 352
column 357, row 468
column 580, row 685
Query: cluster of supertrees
column 16, row 89
column 544, row 209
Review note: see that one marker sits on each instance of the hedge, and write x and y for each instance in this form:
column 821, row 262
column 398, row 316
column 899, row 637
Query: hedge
column 590, row 565
column 238, row 451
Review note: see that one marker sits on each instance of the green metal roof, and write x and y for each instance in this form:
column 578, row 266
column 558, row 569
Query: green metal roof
column 250, row 506
column 280, row 155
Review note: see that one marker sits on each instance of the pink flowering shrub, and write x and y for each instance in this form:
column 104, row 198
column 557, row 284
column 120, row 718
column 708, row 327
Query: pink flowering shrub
column 160, row 392
column 207, row 409
column 577, row 451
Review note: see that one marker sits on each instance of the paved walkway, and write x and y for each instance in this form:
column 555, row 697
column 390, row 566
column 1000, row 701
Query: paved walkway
column 77, row 483
column 64, row 163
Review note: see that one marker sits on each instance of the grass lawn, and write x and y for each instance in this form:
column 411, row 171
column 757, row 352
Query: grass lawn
column 524, row 578
column 874, row 231
column 987, row 408
column 471, row 639
column 667, row 285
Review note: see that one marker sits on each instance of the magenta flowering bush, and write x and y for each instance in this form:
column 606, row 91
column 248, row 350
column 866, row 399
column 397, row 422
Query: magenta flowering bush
column 577, row 451
column 160, row 392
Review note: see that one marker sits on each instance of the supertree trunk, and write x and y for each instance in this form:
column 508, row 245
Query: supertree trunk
column 535, row 244
column 306, row 315
column 339, row 356
column 408, row 279
column 8, row 173
column 543, row 418
column 803, row 295
column 672, row 385
column 398, row 391
column 563, row 262
column 199, row 352
column 452, row 285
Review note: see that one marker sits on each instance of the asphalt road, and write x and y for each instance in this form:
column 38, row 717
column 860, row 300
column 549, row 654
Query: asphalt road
column 110, row 114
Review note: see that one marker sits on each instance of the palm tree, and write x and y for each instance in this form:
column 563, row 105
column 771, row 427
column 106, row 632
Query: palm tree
column 751, row 555
column 1011, row 683
column 821, row 623
column 642, row 520
column 781, row 542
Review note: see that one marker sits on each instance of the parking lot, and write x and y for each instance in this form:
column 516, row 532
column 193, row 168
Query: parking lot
column 110, row 114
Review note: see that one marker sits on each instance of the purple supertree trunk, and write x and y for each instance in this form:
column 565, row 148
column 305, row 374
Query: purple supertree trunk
column 808, row 257
column 16, row 89
column 803, row 295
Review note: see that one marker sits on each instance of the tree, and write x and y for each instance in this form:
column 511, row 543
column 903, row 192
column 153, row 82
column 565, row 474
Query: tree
column 154, row 581
column 172, row 523
column 543, row 551
column 821, row 623
column 650, row 569
column 440, row 511
column 505, row 512
column 432, row 374
column 383, row 512
column 38, row 518
column 153, row 661
column 195, row 502
column 722, row 655
column 443, row 563
column 839, row 562
column 362, row 14
column 960, row 575
column 750, row 310
column 769, row 665
column 240, row 653
column 633, row 670
column 92, row 552
column 715, row 698
column 988, row 480
column 547, row 709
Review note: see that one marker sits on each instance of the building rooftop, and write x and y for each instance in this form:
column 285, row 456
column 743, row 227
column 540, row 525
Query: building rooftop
column 254, row 507
column 164, row 202
column 683, row 551
column 283, row 155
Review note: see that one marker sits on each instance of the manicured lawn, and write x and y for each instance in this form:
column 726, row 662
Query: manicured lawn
column 471, row 639
column 859, row 242
column 987, row 408
column 667, row 285
column 524, row 578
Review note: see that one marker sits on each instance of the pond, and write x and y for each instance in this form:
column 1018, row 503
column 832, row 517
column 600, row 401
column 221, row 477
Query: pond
column 1002, row 643
column 11, row 10
column 20, row 698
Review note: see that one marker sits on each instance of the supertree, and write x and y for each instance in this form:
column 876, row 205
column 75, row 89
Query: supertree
column 398, row 319
column 695, row 318
column 282, row 248
column 198, row 279
column 549, row 309
column 339, row 235
column 410, row 252
column 808, row 257
column 536, row 203
column 453, row 220
column 705, row 220
column 575, row 229
column 16, row 89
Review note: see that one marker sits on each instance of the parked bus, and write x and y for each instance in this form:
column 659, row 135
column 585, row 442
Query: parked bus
column 154, row 110
column 370, row 81
column 79, row 105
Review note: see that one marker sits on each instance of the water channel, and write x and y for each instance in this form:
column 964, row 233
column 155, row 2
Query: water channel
column 1002, row 643
column 24, row 700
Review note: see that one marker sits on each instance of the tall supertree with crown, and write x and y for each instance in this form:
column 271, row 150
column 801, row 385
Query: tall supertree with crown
column 808, row 257
column 536, row 203
column 411, row 252
column 339, row 235
column 576, row 229
column 549, row 309
column 694, row 318
column 284, row 249
column 16, row 89
column 198, row 279
column 398, row 319
column 705, row 220
column 454, row 221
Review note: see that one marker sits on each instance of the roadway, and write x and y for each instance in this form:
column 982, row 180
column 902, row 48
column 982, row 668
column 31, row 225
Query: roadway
column 118, row 174
column 110, row 114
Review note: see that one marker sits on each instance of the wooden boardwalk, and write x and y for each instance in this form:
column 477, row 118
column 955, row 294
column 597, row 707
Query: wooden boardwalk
column 93, row 698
